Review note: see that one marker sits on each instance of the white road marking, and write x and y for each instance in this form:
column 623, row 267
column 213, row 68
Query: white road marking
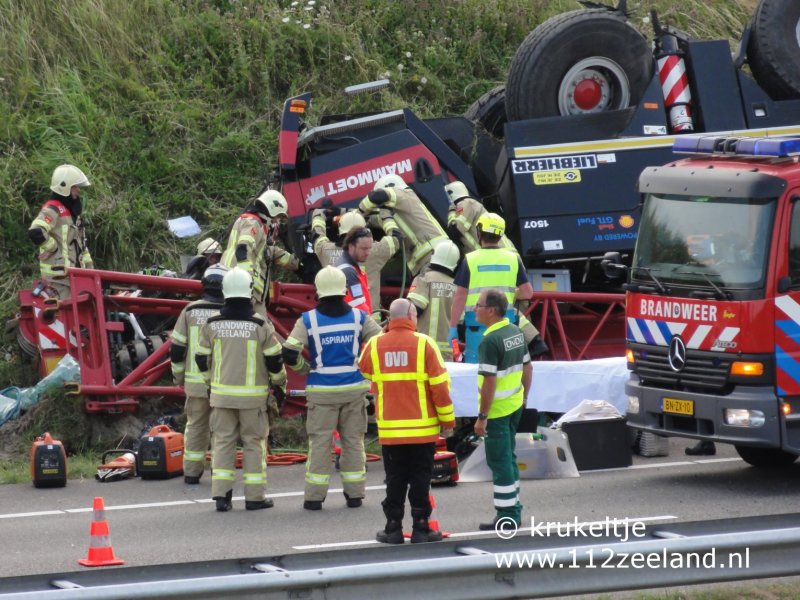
column 566, row 527
column 332, row 490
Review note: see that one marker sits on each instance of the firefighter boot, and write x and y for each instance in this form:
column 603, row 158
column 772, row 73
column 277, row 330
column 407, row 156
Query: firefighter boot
column 224, row 502
column 393, row 532
column 702, row 448
column 421, row 531
column 258, row 504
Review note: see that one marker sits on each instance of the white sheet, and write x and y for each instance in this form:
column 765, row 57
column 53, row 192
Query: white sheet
column 558, row 385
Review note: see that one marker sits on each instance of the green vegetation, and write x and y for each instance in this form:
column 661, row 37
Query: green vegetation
column 172, row 106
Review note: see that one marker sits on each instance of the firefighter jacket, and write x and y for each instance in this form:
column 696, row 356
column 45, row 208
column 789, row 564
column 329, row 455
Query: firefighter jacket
column 432, row 293
column 65, row 240
column 421, row 231
column 252, row 232
column 358, row 295
column 334, row 343
column 490, row 268
column 463, row 217
column 502, row 354
column 237, row 353
column 185, row 338
column 412, row 384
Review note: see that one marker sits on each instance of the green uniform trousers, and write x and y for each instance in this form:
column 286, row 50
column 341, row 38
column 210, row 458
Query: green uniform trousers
column 350, row 418
column 500, row 444
column 196, row 435
column 228, row 426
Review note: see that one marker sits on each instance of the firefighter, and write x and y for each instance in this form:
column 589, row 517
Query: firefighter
column 58, row 230
column 209, row 252
column 462, row 218
column 330, row 253
column 402, row 208
column 413, row 406
column 357, row 246
column 505, row 374
column 432, row 295
column 185, row 336
column 240, row 357
column 251, row 243
column 491, row 267
column 335, row 389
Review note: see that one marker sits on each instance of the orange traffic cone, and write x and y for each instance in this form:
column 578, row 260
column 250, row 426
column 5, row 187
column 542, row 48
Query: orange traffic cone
column 433, row 522
column 101, row 554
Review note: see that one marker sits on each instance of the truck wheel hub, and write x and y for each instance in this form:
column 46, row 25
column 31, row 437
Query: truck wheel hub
column 589, row 93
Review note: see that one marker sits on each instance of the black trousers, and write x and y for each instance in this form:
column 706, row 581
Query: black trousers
column 409, row 468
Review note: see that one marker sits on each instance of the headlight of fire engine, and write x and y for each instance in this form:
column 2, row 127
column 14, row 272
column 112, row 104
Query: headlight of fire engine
column 630, row 357
column 751, row 369
column 633, row 405
column 742, row 417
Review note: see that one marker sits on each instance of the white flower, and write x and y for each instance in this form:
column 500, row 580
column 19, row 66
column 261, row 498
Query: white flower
column 295, row 3
column 308, row 8
column 645, row 20
column 424, row 80
column 348, row 57
column 306, row 26
column 285, row 19
column 408, row 54
column 400, row 67
column 312, row 2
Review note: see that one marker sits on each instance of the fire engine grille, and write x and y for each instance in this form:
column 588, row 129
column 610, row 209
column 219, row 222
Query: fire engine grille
column 703, row 371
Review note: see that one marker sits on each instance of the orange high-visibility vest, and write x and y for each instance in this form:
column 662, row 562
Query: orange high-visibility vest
column 412, row 385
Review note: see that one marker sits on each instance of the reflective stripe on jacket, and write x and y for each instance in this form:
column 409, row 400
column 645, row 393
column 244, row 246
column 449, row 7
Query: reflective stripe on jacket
column 491, row 268
column 412, row 385
column 333, row 345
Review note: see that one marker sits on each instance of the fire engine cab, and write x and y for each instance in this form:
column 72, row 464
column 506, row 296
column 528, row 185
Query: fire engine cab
column 713, row 297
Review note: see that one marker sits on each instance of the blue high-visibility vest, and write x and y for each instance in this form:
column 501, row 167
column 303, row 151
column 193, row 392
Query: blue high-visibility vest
column 334, row 344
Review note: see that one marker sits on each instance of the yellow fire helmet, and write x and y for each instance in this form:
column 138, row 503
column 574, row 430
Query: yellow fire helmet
column 492, row 223
column 349, row 220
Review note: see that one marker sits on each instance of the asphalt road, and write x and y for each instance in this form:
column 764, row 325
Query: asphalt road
column 156, row 522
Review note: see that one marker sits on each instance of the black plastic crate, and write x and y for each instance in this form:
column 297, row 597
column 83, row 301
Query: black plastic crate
column 599, row 443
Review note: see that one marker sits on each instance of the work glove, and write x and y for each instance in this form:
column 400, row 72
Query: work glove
column 398, row 235
column 537, row 347
column 453, row 333
column 370, row 404
column 379, row 197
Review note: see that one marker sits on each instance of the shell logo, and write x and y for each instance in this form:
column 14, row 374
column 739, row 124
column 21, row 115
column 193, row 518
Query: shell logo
column 626, row 221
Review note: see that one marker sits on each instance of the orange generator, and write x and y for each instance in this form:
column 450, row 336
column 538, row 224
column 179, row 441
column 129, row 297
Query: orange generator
column 160, row 454
column 48, row 462
column 445, row 465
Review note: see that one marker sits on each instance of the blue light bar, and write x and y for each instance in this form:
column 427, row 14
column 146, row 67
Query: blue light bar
column 765, row 147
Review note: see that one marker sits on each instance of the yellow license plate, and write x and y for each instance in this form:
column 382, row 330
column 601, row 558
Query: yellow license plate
column 678, row 407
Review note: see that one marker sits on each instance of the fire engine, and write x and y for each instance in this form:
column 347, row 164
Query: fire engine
column 713, row 298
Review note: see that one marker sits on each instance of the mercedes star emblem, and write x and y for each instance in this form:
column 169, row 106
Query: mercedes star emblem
column 677, row 354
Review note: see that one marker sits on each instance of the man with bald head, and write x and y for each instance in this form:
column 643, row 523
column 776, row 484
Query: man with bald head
column 413, row 406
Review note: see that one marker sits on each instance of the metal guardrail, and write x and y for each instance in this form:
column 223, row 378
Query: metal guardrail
column 666, row 558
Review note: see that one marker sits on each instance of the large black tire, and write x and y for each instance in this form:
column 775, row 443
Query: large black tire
column 490, row 111
column 594, row 52
column 773, row 50
column 765, row 457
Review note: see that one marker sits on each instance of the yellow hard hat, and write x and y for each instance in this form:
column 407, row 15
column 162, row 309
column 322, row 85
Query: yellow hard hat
column 274, row 203
column 387, row 181
column 208, row 246
column 330, row 281
column 446, row 254
column 349, row 220
column 491, row 223
column 237, row 283
column 65, row 176
column 456, row 191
